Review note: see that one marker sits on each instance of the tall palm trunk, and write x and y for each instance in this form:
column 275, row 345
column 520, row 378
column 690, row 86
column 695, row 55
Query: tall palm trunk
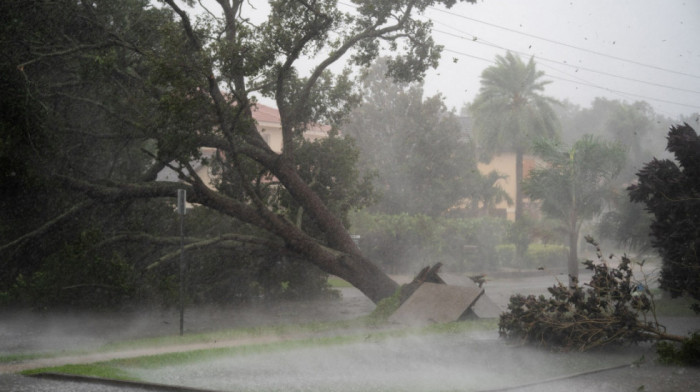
column 520, row 244
column 573, row 258
column 518, row 184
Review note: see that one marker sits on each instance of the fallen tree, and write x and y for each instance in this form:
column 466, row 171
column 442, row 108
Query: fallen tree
column 610, row 309
column 162, row 81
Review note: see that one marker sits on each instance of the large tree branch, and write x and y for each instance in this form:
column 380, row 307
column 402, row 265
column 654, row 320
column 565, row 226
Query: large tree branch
column 58, row 53
column 206, row 243
column 221, row 105
column 112, row 192
column 369, row 33
column 71, row 212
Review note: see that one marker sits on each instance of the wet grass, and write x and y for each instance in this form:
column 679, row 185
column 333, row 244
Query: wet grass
column 337, row 282
column 234, row 334
column 9, row 358
column 199, row 338
column 119, row 368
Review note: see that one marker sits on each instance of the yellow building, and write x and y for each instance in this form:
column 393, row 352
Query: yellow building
column 505, row 164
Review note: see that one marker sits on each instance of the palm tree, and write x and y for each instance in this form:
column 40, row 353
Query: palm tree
column 486, row 190
column 574, row 184
column 510, row 112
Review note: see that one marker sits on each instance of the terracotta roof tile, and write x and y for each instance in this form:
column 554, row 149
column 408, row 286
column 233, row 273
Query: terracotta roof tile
column 263, row 113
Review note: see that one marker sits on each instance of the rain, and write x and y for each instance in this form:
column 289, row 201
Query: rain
column 347, row 195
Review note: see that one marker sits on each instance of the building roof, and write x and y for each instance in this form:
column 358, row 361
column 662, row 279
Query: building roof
column 264, row 113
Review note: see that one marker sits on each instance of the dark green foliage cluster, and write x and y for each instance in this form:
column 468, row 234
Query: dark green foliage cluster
column 686, row 353
column 627, row 224
column 405, row 243
column 101, row 98
column 607, row 310
column 92, row 262
column 76, row 277
column 82, row 99
column 671, row 192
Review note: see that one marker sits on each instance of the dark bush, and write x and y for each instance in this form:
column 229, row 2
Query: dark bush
column 610, row 309
column 686, row 353
column 671, row 192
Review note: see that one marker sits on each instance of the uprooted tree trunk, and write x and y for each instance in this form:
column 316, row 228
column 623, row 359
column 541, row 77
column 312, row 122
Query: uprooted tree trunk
column 427, row 274
column 348, row 264
column 612, row 310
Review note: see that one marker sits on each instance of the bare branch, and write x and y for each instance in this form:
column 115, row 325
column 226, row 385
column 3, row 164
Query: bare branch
column 215, row 241
column 74, row 210
column 371, row 32
column 41, row 56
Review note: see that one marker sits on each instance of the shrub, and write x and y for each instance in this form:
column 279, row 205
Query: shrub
column 671, row 192
column 505, row 254
column 550, row 256
column 609, row 311
column 686, row 353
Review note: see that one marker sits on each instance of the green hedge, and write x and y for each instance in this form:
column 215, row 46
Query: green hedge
column 505, row 254
column 547, row 256
column 537, row 255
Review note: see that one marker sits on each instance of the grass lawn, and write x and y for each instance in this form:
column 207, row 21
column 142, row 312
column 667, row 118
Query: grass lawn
column 337, row 282
column 119, row 368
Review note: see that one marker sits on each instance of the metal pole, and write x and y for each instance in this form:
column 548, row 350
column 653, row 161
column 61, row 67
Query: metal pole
column 181, row 208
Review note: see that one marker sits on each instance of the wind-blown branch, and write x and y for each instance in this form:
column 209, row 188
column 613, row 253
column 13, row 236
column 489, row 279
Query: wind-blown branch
column 371, row 32
column 205, row 243
column 48, row 225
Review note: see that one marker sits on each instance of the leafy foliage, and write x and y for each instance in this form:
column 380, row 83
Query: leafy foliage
column 405, row 243
column 103, row 95
column 422, row 160
column 686, row 353
column 575, row 184
column 510, row 112
column 633, row 125
column 610, row 310
column 671, row 192
column 627, row 224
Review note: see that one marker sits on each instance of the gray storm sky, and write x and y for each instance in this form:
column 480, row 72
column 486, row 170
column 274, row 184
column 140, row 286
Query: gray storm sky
column 579, row 44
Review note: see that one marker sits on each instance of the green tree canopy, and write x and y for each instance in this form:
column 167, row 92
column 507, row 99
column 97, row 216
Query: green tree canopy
column 671, row 192
column 634, row 125
column 574, row 183
column 423, row 161
column 158, row 84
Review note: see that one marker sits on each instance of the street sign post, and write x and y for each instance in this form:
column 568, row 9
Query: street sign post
column 181, row 210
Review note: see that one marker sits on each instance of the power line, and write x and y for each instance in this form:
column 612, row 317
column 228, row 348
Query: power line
column 486, row 43
column 564, row 44
column 584, row 83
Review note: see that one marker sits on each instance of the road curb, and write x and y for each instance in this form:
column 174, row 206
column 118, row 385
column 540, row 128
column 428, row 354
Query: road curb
column 119, row 383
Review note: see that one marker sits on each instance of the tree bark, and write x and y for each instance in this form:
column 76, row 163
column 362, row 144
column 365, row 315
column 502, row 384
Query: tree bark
column 573, row 258
column 520, row 246
column 349, row 265
column 518, row 184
